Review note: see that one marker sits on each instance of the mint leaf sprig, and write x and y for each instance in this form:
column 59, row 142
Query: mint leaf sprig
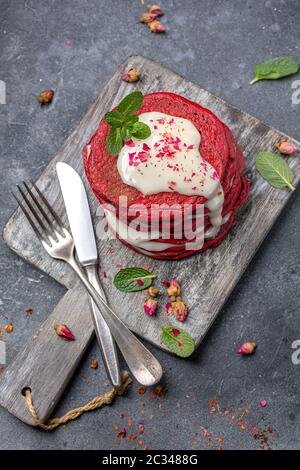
column 277, row 67
column 177, row 340
column 125, row 124
column 275, row 170
column 133, row 279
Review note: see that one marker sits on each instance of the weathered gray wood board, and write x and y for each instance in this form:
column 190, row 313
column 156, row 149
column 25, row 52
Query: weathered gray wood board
column 207, row 280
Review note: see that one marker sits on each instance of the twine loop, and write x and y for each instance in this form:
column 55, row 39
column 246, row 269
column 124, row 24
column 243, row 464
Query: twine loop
column 97, row 402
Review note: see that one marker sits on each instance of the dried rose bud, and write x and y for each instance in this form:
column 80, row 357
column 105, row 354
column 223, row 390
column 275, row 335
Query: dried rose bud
column 174, row 288
column 29, row 312
column 64, row 332
column 132, row 437
column 155, row 9
column 46, row 96
column 180, row 310
column 147, row 18
column 141, row 428
column 9, row 328
column 153, row 291
column 169, row 309
column 156, row 27
column 263, row 403
column 142, row 390
column 247, row 348
column 94, row 364
column 160, row 390
column 286, row 148
column 150, row 306
column 122, row 433
column 133, row 75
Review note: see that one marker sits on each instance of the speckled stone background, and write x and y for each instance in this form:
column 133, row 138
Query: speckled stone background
column 213, row 43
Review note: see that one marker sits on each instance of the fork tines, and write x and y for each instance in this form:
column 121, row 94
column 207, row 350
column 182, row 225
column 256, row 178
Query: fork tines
column 39, row 213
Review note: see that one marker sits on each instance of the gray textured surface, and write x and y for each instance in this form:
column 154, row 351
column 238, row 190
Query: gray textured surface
column 213, row 44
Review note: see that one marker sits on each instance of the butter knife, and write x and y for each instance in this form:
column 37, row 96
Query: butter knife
column 80, row 221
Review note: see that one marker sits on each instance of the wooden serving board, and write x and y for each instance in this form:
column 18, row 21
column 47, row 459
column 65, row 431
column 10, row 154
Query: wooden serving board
column 207, row 280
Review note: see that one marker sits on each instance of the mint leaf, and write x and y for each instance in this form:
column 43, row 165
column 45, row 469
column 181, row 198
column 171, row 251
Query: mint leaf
column 114, row 141
column 131, row 103
column 126, row 132
column 133, row 279
column 131, row 120
column 114, row 118
column 177, row 340
column 275, row 170
column 140, row 130
column 275, row 68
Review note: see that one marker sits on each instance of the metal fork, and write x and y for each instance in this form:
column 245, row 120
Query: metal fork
column 59, row 244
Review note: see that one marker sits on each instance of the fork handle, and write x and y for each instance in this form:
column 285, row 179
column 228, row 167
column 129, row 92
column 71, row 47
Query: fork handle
column 142, row 364
column 104, row 336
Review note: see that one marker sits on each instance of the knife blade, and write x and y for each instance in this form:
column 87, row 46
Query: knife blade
column 79, row 216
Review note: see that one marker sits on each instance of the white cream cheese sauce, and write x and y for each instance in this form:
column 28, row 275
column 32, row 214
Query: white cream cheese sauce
column 169, row 160
column 142, row 240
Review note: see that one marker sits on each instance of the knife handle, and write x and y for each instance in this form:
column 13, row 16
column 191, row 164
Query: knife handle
column 104, row 336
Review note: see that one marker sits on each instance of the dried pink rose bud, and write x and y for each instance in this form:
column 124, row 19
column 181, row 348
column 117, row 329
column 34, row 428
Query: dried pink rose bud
column 263, row 403
column 247, row 348
column 156, row 27
column 147, row 18
column 64, row 332
column 153, row 291
column 46, row 96
column 133, row 75
column 180, row 310
column 156, row 10
column 286, row 148
column 150, row 307
column 169, row 309
column 141, row 428
column 122, row 433
column 174, row 288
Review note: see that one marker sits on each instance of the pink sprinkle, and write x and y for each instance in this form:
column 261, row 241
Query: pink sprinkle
column 175, row 332
column 168, row 306
column 104, row 274
column 263, row 403
column 129, row 143
column 190, row 147
column 143, row 156
column 146, row 147
column 155, row 127
column 140, row 282
column 171, row 121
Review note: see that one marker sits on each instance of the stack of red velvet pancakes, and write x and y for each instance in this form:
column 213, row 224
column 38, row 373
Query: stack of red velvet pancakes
column 176, row 193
